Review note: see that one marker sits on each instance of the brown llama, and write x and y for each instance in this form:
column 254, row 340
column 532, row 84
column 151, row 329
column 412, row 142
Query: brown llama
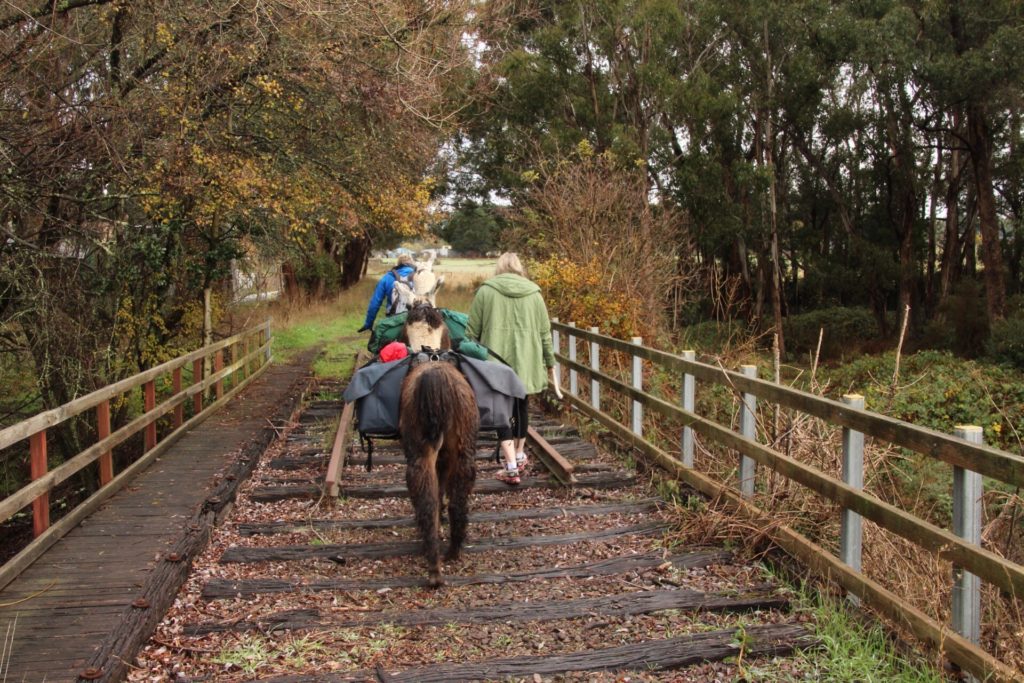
column 438, row 423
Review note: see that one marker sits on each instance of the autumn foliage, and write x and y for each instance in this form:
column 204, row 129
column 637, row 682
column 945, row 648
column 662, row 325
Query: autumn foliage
column 604, row 255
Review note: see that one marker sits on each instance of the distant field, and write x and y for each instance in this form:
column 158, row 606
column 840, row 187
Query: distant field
column 458, row 272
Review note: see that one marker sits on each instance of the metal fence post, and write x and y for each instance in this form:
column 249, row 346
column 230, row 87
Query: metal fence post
column 556, row 339
column 967, row 516
column 638, row 376
column 748, row 428
column 595, row 365
column 689, row 405
column 265, row 336
column 851, row 533
column 574, row 388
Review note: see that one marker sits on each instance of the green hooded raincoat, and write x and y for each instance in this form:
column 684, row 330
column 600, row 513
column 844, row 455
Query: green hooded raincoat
column 508, row 315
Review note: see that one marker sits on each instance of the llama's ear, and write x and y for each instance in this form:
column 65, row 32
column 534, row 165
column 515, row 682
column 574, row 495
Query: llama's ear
column 432, row 294
column 404, row 291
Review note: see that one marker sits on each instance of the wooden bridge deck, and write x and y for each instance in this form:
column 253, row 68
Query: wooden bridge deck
column 66, row 613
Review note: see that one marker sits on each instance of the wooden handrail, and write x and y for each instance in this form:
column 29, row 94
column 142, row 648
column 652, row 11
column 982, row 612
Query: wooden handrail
column 997, row 570
column 969, row 656
column 991, row 462
column 45, row 483
column 17, row 564
column 49, row 418
column 1003, row 573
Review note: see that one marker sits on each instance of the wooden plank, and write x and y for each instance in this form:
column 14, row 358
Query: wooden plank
column 246, row 588
column 482, row 486
column 997, row 570
column 619, row 605
column 351, row 551
column 989, row 461
column 300, row 462
column 381, row 458
column 46, row 482
column 120, row 647
column 965, row 654
column 17, row 564
column 650, row 505
column 770, row 640
column 578, row 450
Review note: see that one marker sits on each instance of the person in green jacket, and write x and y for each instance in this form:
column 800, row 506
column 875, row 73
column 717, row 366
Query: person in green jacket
column 508, row 316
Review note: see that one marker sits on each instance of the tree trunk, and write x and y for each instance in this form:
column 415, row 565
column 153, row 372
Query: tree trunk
column 929, row 284
column 354, row 259
column 951, row 246
column 769, row 161
column 980, row 140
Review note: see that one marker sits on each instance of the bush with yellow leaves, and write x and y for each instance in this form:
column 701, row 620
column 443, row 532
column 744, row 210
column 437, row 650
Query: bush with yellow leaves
column 604, row 255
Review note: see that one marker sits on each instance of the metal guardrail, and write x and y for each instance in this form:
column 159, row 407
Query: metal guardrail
column 970, row 460
column 250, row 356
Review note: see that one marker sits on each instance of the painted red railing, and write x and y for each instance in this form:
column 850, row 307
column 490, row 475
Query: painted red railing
column 250, row 355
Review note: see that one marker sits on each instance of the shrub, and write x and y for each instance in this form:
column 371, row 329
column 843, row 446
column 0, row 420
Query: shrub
column 938, row 390
column 603, row 253
column 712, row 336
column 579, row 293
column 1006, row 343
column 842, row 325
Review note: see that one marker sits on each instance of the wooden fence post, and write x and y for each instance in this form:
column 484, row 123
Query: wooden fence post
column 638, row 377
column 247, row 366
column 179, row 410
column 149, row 403
column 689, row 405
column 595, row 365
column 197, row 377
column 218, row 365
column 103, row 431
column 967, row 516
column 38, row 467
column 265, row 336
column 851, row 533
column 574, row 384
column 748, row 428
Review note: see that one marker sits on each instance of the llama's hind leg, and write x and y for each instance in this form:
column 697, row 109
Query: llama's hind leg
column 460, row 485
column 421, row 479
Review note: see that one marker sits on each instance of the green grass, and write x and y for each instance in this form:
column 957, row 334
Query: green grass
column 249, row 654
column 851, row 648
column 331, row 326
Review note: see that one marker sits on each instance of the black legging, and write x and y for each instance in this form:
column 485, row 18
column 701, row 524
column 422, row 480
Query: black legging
column 520, row 421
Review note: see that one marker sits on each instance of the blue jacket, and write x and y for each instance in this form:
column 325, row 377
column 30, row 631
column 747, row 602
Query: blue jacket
column 382, row 294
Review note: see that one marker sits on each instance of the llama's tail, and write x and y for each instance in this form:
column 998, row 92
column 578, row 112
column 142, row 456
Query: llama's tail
column 433, row 401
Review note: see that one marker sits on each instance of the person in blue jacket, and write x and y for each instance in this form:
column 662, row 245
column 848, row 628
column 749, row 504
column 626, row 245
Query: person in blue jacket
column 384, row 292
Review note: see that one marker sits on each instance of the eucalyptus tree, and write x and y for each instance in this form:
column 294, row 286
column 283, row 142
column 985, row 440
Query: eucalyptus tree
column 973, row 62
